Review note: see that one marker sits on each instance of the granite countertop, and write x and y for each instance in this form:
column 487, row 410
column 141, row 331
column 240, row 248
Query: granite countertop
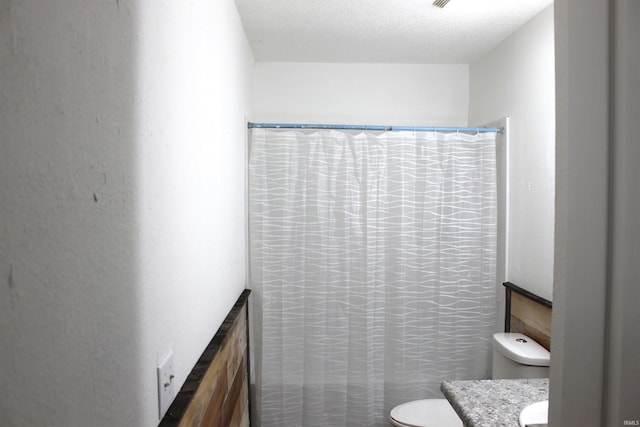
column 490, row 403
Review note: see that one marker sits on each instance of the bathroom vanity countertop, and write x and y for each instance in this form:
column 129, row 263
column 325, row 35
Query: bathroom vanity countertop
column 489, row 403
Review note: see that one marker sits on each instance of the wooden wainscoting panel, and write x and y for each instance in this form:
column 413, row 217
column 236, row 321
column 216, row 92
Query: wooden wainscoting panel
column 518, row 326
column 216, row 393
column 233, row 399
column 236, row 347
column 531, row 318
column 240, row 415
column 214, row 404
column 205, row 396
column 232, row 369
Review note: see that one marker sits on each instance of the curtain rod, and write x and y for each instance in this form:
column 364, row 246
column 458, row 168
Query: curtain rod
column 374, row 128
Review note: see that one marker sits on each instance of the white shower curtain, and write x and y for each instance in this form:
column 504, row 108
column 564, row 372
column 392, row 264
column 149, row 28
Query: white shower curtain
column 372, row 261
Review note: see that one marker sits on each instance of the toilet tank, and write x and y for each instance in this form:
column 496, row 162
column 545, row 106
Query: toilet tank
column 516, row 355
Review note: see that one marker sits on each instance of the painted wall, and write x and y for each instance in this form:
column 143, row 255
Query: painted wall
column 122, row 185
column 597, row 215
column 517, row 79
column 380, row 94
column 580, row 271
column 623, row 373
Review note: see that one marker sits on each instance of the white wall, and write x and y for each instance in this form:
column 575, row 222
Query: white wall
column 580, row 276
column 195, row 72
column 516, row 79
column 122, row 187
column 377, row 94
column 623, row 375
column 597, row 270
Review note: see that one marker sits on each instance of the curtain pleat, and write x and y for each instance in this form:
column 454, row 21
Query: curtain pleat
column 372, row 262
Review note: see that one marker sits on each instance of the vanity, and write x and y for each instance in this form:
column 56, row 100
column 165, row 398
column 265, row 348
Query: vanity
column 490, row 403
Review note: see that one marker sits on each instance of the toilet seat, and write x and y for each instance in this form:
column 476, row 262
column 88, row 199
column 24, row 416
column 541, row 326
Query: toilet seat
column 425, row 413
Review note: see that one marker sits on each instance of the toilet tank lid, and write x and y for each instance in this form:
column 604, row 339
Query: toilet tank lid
column 520, row 348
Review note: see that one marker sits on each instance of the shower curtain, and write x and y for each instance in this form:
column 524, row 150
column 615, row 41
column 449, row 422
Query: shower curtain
column 372, row 261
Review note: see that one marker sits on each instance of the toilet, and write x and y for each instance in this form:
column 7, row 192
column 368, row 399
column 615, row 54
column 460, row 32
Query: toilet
column 425, row 413
column 514, row 356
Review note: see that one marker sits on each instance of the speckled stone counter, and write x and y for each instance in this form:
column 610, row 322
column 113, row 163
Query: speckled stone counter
column 490, row 403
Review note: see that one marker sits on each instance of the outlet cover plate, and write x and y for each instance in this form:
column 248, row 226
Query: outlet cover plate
column 166, row 391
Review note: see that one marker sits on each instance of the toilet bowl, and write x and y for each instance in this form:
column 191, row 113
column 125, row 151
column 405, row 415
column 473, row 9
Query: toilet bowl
column 425, row 413
column 514, row 356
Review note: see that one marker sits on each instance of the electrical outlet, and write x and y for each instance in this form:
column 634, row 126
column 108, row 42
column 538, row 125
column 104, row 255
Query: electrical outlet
column 166, row 391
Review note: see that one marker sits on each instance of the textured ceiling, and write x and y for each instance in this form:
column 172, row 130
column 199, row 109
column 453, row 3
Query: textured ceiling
column 380, row 31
